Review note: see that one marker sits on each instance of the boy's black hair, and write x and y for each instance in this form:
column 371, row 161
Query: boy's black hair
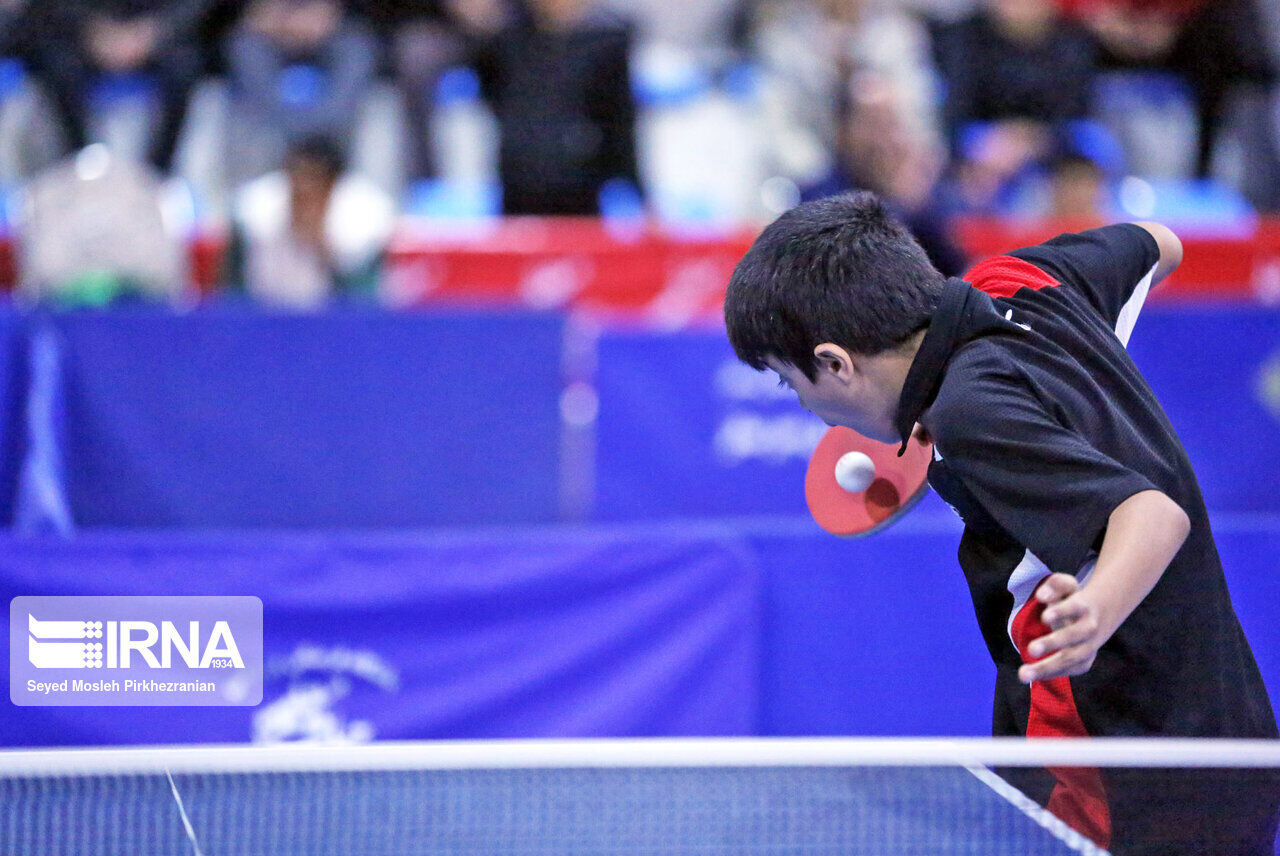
column 839, row 270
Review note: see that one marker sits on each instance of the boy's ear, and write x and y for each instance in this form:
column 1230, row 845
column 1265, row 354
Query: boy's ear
column 835, row 360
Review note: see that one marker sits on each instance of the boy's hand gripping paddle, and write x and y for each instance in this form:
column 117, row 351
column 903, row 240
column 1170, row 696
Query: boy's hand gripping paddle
column 887, row 492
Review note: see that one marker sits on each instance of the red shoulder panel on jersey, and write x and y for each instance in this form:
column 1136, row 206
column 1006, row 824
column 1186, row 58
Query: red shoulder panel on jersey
column 1002, row 276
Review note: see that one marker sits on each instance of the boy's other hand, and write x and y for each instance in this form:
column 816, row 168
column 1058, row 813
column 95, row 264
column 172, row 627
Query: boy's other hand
column 1079, row 628
column 1143, row 534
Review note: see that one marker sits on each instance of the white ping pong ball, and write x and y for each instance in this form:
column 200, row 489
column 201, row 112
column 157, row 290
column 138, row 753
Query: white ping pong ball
column 855, row 472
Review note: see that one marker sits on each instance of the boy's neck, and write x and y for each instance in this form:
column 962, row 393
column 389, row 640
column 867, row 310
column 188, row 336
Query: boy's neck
column 906, row 353
column 904, row 358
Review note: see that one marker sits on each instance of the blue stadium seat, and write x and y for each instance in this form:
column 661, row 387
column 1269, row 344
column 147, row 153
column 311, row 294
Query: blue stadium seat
column 110, row 90
column 12, row 77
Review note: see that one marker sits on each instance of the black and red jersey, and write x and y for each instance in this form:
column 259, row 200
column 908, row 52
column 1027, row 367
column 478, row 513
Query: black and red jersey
column 1042, row 426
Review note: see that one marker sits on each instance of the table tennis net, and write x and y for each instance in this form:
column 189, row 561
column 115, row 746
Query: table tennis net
column 812, row 797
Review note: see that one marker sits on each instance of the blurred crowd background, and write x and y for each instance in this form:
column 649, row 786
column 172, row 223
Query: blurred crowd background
column 542, row 498
column 304, row 131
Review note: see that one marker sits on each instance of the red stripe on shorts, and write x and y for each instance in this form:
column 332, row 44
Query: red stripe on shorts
column 1078, row 797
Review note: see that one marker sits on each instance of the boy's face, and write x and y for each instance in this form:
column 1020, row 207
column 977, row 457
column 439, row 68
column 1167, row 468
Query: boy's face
column 852, row 390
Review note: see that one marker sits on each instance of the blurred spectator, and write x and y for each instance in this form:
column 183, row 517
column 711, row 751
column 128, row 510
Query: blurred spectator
column 1138, row 32
column 101, row 228
column 1077, row 192
column 878, row 151
column 11, row 28
column 309, row 233
column 561, row 92
column 712, row 33
column 79, row 43
column 427, row 37
column 28, row 139
column 1215, row 44
column 298, row 68
column 941, row 11
column 1016, row 60
column 811, row 48
column 1017, row 73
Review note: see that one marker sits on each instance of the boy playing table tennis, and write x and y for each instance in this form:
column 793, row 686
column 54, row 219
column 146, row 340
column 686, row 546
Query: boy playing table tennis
column 1086, row 545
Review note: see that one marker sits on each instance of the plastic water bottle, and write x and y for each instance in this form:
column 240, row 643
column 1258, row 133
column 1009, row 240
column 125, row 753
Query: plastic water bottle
column 465, row 132
column 622, row 209
column 124, row 110
column 701, row 146
column 302, row 85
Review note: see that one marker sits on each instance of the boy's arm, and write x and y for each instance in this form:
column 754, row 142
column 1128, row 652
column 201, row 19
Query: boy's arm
column 1143, row 535
column 1170, row 249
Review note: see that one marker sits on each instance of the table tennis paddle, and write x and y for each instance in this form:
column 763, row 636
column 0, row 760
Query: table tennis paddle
column 898, row 483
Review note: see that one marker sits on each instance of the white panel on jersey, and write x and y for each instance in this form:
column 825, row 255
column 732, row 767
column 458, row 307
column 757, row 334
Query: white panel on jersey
column 1128, row 316
column 1026, row 578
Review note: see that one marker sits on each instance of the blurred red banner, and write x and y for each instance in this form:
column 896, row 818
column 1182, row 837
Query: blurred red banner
column 649, row 274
